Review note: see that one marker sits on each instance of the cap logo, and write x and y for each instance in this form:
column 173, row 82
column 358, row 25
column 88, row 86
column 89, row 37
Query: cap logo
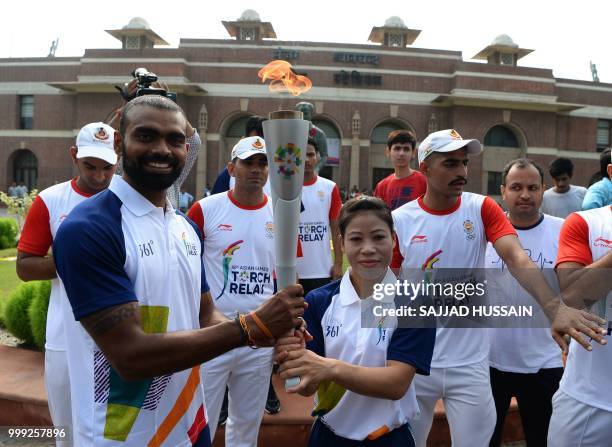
column 455, row 135
column 101, row 134
column 428, row 150
column 257, row 144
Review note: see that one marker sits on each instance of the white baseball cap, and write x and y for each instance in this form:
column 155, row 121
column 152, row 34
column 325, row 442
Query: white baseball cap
column 248, row 147
column 96, row 140
column 447, row 140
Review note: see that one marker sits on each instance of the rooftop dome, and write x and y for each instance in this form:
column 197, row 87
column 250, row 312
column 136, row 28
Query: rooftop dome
column 137, row 23
column 395, row 22
column 505, row 40
column 249, row 15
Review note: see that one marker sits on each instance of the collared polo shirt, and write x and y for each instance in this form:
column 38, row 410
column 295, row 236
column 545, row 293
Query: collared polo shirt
column 117, row 247
column 345, row 327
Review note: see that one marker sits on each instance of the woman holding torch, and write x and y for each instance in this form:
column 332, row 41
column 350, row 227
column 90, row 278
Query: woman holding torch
column 360, row 365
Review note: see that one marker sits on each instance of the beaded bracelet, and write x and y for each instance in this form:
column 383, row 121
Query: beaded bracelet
column 245, row 328
column 244, row 337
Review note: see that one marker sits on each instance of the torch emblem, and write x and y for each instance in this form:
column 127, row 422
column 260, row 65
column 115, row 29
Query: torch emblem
column 228, row 254
column 288, row 158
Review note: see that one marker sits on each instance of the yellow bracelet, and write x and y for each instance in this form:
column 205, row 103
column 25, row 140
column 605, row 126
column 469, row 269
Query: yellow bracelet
column 260, row 324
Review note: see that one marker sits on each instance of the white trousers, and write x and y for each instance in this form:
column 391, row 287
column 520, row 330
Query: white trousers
column 575, row 424
column 468, row 402
column 57, row 384
column 246, row 372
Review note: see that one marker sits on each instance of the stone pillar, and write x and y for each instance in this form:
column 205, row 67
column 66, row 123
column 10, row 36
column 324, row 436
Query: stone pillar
column 355, row 129
column 201, row 177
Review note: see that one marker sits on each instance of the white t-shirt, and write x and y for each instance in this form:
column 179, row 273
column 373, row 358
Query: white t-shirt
column 346, row 328
column 238, row 251
column 114, row 249
column 586, row 237
column 524, row 350
column 48, row 211
column 561, row 205
column 322, row 203
column 452, row 239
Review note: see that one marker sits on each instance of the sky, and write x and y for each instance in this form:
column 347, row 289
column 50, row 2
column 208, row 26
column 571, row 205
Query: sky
column 566, row 35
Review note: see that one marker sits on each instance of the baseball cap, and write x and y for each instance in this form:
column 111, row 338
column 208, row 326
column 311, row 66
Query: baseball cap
column 96, row 140
column 248, row 147
column 447, row 140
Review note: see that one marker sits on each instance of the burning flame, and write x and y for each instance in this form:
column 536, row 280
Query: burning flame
column 284, row 79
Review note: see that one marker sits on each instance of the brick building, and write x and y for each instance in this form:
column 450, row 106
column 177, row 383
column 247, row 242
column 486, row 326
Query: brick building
column 360, row 93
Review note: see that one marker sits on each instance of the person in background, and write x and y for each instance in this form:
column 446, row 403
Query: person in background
column 239, row 258
column 600, row 194
column 12, row 190
column 95, row 161
column 524, row 361
column 185, row 200
column 224, row 181
column 563, row 198
column 405, row 184
column 318, row 226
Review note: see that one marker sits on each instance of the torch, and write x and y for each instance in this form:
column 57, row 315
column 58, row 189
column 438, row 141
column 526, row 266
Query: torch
column 286, row 135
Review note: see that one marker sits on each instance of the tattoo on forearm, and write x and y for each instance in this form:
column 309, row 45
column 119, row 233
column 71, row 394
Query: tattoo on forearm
column 109, row 320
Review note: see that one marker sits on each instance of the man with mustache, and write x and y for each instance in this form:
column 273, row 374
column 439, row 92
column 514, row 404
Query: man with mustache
column 524, row 361
column 133, row 273
column 238, row 255
column 449, row 228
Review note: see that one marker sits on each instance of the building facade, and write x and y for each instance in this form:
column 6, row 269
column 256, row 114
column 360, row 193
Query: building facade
column 360, row 93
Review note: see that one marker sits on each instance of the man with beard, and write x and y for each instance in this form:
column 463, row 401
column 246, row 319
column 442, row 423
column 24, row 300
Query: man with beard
column 95, row 161
column 524, row 361
column 449, row 229
column 132, row 270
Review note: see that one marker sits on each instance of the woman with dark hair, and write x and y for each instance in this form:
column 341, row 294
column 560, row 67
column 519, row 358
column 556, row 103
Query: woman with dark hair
column 359, row 363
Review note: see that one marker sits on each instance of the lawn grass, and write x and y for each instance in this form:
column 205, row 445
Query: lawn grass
column 8, row 253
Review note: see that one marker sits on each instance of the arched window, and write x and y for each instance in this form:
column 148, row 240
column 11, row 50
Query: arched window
column 25, row 168
column 236, row 129
column 233, row 134
column 501, row 136
column 382, row 131
column 333, row 140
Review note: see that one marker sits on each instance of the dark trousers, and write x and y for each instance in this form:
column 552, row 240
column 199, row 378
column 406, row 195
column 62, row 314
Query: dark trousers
column 533, row 394
column 313, row 283
column 321, row 436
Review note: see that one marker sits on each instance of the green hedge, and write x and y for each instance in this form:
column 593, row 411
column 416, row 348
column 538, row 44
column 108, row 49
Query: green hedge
column 38, row 313
column 8, row 232
column 25, row 312
column 16, row 315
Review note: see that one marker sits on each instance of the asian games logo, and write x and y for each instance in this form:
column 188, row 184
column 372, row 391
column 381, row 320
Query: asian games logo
column 288, row 160
column 468, row 228
column 269, row 228
column 228, row 255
